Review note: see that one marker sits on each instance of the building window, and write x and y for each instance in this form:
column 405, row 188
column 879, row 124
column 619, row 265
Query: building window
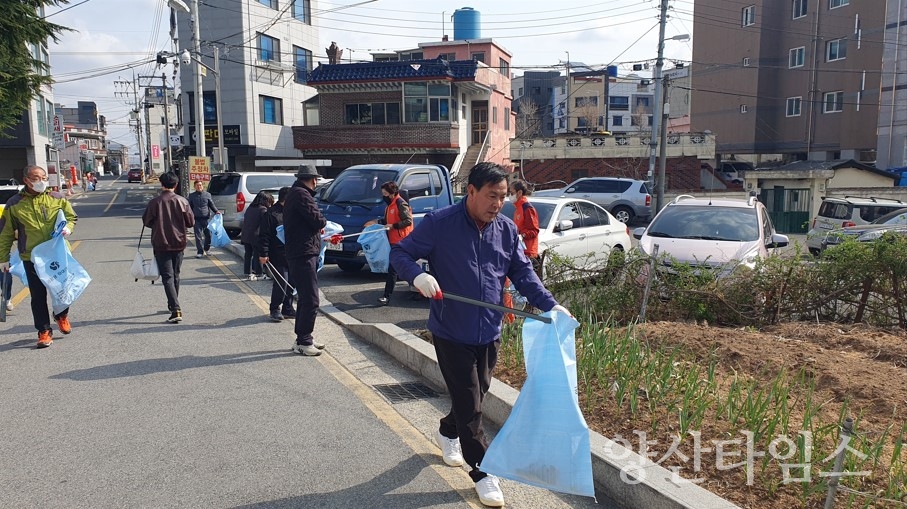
column 580, row 102
column 209, row 107
column 642, row 101
column 268, row 48
column 270, row 3
column 494, row 114
column 373, row 113
column 743, row 108
column 428, row 103
column 796, row 57
column 504, row 67
column 799, row 9
column 42, row 116
column 834, row 102
column 748, row 16
column 271, row 110
column 746, row 61
column 835, row 50
column 834, row 4
column 521, row 91
column 507, row 119
column 302, row 10
column 619, row 102
column 479, row 56
column 448, row 56
column 49, row 113
column 617, row 120
column 303, row 63
column 793, row 106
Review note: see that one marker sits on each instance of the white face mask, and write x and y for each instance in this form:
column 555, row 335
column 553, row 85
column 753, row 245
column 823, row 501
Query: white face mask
column 39, row 186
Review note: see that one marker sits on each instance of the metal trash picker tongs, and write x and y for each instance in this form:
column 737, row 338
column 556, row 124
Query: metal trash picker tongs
column 337, row 238
column 503, row 309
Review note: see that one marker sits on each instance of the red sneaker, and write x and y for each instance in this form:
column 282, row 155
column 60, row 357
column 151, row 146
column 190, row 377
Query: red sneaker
column 45, row 339
column 63, row 324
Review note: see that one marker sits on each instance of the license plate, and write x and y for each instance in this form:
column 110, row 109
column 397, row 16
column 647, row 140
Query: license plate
column 334, row 247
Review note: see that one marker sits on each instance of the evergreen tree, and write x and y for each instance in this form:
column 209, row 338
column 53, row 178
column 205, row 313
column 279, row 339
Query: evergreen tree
column 21, row 74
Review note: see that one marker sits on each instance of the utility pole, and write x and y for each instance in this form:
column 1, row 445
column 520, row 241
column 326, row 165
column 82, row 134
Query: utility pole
column 169, row 157
column 657, row 107
column 662, row 156
column 132, row 88
column 199, row 87
column 567, row 101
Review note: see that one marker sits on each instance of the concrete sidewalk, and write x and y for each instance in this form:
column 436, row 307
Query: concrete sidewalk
column 654, row 489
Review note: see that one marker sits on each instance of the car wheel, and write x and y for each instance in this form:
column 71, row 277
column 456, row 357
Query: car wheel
column 815, row 252
column 350, row 266
column 623, row 214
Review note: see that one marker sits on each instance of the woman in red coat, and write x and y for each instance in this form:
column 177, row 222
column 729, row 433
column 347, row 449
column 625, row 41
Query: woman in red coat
column 398, row 218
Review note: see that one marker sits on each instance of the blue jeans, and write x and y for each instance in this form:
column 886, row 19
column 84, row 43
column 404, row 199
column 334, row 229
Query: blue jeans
column 202, row 232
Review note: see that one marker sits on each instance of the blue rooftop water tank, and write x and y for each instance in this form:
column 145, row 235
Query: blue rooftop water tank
column 467, row 23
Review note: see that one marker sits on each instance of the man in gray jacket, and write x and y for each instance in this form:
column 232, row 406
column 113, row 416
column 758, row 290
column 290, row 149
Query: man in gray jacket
column 203, row 208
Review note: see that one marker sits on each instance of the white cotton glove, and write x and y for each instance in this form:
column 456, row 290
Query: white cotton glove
column 66, row 231
column 4, row 267
column 561, row 309
column 428, row 286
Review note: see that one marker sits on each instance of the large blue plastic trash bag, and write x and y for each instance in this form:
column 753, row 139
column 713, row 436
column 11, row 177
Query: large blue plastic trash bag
column 63, row 276
column 545, row 441
column 219, row 236
column 17, row 268
column 330, row 229
column 376, row 247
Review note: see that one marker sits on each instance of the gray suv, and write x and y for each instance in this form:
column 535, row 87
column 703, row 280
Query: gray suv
column 626, row 199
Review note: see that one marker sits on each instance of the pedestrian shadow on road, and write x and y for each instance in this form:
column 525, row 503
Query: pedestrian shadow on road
column 165, row 364
column 376, row 492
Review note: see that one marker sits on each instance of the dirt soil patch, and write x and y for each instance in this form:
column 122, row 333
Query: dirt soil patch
column 863, row 365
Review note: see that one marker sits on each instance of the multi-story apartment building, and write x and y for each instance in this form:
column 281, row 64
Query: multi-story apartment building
column 30, row 142
column 533, row 100
column 266, row 50
column 892, row 146
column 799, row 78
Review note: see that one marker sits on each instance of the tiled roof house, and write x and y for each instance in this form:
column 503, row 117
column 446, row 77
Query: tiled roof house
column 448, row 108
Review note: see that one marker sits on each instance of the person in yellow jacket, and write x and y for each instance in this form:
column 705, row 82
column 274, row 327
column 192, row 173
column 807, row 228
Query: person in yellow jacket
column 32, row 214
column 398, row 220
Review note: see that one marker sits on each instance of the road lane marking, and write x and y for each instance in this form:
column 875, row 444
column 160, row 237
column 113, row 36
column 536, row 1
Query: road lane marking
column 116, row 195
column 422, row 446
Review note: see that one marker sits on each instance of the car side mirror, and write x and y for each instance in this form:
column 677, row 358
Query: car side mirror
column 570, row 190
column 563, row 225
column 778, row 240
column 639, row 232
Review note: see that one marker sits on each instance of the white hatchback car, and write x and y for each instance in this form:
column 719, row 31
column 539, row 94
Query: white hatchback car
column 714, row 233
column 578, row 229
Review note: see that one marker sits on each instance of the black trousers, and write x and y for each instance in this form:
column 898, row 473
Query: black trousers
column 202, row 235
column 281, row 292
column 169, row 264
column 251, row 265
column 39, row 310
column 391, row 281
column 304, row 272
column 467, row 371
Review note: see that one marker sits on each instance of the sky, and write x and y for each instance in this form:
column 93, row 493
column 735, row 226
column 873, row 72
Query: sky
column 111, row 36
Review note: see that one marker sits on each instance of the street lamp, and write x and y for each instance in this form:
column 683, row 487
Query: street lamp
column 186, row 58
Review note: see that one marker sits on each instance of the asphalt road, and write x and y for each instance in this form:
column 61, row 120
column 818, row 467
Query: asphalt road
column 130, row 411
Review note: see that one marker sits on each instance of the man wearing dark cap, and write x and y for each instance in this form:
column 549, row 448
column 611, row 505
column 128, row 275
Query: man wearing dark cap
column 302, row 223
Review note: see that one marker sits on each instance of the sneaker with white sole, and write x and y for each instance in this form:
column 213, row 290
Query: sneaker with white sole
column 450, row 449
column 489, row 490
column 9, row 306
column 307, row 350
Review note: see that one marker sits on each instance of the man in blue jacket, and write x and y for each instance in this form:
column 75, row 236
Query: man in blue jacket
column 470, row 249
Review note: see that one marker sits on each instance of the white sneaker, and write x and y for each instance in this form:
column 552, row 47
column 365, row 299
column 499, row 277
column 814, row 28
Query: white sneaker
column 450, row 449
column 489, row 491
column 306, row 350
column 199, row 255
column 9, row 306
column 253, row 277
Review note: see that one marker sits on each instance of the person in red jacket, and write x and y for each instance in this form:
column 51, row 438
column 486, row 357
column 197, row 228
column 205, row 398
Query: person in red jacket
column 527, row 221
column 398, row 218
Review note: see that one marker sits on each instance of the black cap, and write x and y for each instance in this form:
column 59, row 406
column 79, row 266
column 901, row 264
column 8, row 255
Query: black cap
column 307, row 171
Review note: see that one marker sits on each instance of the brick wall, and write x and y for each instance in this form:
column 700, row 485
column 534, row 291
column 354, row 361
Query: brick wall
column 682, row 173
